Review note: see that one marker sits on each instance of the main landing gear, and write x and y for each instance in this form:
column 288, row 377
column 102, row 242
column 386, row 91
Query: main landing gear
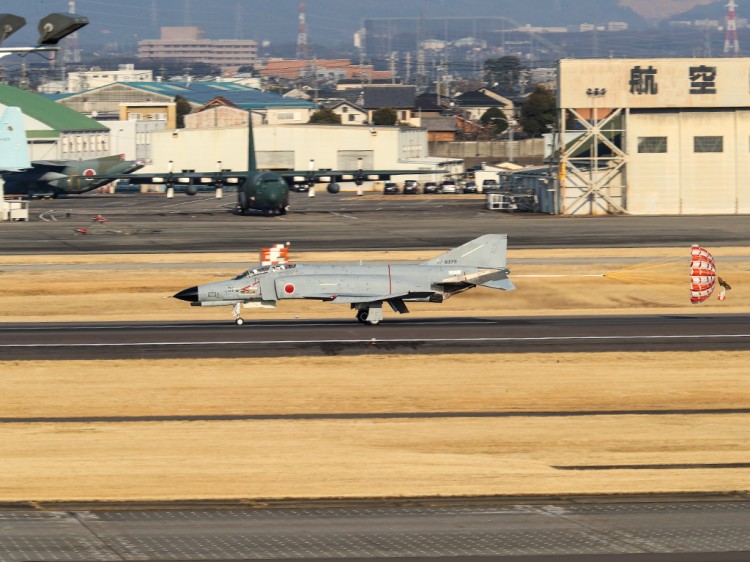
column 371, row 314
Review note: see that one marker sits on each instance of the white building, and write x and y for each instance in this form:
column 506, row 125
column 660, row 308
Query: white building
column 655, row 136
column 291, row 147
column 81, row 81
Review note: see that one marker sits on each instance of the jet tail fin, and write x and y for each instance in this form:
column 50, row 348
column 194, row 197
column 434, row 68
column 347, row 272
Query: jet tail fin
column 14, row 148
column 486, row 251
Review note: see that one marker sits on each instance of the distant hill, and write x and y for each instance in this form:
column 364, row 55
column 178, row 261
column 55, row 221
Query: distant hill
column 716, row 10
column 655, row 10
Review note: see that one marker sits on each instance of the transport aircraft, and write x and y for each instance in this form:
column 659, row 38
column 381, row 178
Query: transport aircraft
column 52, row 178
column 364, row 288
column 266, row 191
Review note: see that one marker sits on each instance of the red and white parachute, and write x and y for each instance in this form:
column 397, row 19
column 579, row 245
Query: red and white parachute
column 703, row 278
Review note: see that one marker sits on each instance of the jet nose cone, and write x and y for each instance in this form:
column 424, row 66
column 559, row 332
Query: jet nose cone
column 189, row 295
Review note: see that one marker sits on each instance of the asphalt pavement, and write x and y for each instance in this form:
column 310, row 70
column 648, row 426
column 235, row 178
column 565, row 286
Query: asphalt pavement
column 151, row 223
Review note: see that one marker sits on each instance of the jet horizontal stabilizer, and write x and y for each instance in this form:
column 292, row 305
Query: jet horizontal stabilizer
column 502, row 284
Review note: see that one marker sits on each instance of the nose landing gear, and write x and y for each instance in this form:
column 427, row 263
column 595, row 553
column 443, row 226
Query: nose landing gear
column 236, row 313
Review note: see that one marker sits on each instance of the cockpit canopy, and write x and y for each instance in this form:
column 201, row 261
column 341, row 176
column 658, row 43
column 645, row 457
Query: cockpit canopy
column 262, row 270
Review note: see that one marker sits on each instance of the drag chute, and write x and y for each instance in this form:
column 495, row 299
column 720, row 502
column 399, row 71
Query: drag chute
column 703, row 278
column 671, row 271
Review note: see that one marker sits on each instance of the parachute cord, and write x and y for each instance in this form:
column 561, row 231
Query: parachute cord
column 656, row 272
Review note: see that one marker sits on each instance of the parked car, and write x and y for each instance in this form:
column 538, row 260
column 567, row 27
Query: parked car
column 300, row 187
column 490, row 186
column 430, row 187
column 411, row 187
column 391, row 188
column 470, row 187
column 448, row 186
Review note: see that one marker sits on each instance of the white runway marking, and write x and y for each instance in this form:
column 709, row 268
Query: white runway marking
column 375, row 341
column 244, row 327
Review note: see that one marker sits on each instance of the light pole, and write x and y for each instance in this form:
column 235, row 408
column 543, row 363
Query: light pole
column 510, row 135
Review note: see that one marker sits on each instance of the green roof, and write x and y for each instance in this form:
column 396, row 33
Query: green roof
column 56, row 116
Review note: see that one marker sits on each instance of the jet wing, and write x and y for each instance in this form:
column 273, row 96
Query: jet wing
column 49, row 165
column 347, row 299
column 204, row 178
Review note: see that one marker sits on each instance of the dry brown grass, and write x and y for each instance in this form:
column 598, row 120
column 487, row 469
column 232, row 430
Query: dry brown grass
column 340, row 458
column 255, row 459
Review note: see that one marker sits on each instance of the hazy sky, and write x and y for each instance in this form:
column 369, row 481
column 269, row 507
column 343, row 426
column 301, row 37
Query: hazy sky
column 328, row 21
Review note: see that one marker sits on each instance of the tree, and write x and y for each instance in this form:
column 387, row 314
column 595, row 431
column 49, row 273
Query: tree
column 325, row 116
column 504, row 72
column 538, row 111
column 494, row 121
column 182, row 108
column 384, row 116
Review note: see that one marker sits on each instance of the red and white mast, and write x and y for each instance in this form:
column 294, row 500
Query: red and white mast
column 302, row 35
column 731, row 43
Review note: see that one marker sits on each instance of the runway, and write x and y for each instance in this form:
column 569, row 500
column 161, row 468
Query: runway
column 151, row 223
column 282, row 338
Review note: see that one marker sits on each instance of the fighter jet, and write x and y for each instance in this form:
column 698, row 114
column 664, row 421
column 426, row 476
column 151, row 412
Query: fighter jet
column 266, row 191
column 52, row 178
column 364, row 288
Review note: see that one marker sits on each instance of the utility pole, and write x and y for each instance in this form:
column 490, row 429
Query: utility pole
column 392, row 65
column 238, row 23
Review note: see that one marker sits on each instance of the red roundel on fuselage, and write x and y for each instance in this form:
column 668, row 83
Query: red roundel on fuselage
column 89, row 172
column 288, row 288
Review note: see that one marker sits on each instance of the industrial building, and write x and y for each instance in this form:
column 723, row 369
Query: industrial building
column 55, row 131
column 654, row 136
column 105, row 102
column 285, row 147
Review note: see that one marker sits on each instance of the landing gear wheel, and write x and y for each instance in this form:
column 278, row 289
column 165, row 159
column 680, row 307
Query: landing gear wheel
column 362, row 315
column 236, row 313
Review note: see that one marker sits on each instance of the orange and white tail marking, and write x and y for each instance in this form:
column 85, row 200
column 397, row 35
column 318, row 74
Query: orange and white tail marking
column 276, row 254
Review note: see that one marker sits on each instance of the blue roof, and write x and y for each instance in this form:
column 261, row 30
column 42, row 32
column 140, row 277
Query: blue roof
column 203, row 92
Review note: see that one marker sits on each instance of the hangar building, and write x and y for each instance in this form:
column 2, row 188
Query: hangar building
column 654, row 136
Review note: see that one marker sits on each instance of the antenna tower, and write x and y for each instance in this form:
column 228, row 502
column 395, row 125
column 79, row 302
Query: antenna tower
column 731, row 43
column 72, row 53
column 188, row 13
column 302, row 35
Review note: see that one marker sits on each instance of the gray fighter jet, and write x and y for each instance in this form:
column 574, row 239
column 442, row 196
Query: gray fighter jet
column 363, row 287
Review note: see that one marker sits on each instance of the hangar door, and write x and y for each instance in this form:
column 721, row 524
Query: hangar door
column 347, row 159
